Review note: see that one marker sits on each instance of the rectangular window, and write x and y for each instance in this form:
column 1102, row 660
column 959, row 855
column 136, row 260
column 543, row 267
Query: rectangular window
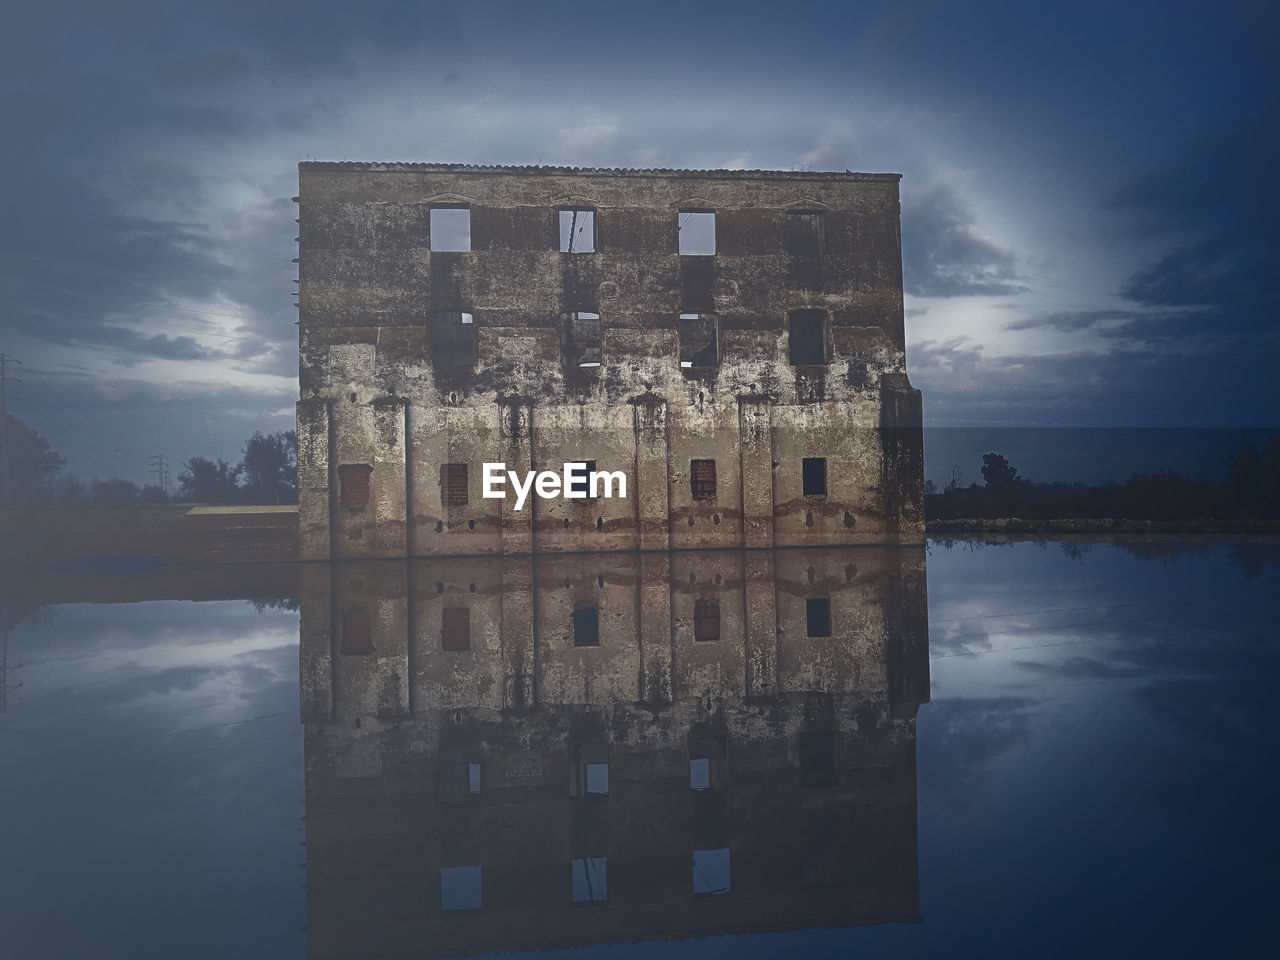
column 455, row 630
column 808, row 338
column 473, row 779
column 590, row 882
column 805, row 233
column 711, row 872
column 813, row 475
column 452, row 339
column 450, row 230
column 817, row 614
column 702, row 479
column 577, row 230
column 586, row 627
column 459, row 776
column 707, row 763
column 818, row 759
column 353, row 485
column 595, row 779
column 697, row 233
column 697, row 340
column 453, row 484
column 461, row 888
column 581, row 338
column 357, row 632
column 706, row 619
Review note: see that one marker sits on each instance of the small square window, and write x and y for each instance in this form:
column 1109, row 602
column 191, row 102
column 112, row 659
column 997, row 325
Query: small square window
column 702, row 479
column 453, row 484
column 595, row 778
column 817, row 612
column 461, row 888
column 813, row 475
column 818, row 758
column 452, row 339
column 808, row 338
column 353, row 485
column 450, row 230
column 697, row 341
column 581, row 338
column 586, row 627
column 700, row 773
column 805, row 234
column 357, row 632
column 697, row 233
column 711, row 872
column 577, row 230
column 706, row 619
column 590, row 882
column 455, row 631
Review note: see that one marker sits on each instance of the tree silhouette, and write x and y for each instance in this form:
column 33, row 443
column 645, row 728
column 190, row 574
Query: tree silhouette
column 998, row 472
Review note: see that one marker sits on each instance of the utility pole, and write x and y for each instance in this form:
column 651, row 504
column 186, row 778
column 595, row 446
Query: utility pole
column 4, row 428
column 159, row 467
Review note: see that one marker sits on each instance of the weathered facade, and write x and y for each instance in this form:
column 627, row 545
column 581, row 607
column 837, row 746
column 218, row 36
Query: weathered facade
column 519, row 753
column 730, row 341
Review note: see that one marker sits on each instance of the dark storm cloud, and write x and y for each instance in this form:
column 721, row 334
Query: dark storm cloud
column 943, row 252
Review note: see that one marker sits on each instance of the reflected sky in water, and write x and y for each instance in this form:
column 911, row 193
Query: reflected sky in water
column 1095, row 769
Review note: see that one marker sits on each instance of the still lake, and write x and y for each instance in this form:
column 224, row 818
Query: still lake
column 1086, row 766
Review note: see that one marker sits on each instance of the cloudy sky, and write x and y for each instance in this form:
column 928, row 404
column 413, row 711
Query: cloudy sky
column 1087, row 197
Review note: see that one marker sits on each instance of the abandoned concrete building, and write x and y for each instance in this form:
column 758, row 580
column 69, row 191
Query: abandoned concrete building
column 508, row 753
column 730, row 344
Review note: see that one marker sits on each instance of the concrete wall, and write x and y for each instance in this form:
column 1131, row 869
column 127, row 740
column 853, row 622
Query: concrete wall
column 369, row 282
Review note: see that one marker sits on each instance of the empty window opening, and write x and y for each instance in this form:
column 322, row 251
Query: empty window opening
column 595, row 779
column 813, row 473
column 697, row 233
column 357, row 632
column 459, row 778
column 697, row 340
column 455, row 630
column 581, row 339
column 702, row 479
column 577, row 230
column 808, row 338
column 706, row 619
column 452, row 339
column 817, row 613
column 590, row 882
column 818, row 759
column 453, row 484
column 700, row 773
column 586, row 627
column 711, row 872
column 707, row 763
column 461, row 888
column 805, row 235
column 353, row 485
column 450, row 229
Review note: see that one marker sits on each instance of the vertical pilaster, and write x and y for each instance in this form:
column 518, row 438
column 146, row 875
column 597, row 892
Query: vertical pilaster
column 315, row 641
column 391, row 506
column 314, row 519
column 657, row 666
column 755, row 432
column 761, row 621
column 516, row 431
column 519, row 692
column 651, row 480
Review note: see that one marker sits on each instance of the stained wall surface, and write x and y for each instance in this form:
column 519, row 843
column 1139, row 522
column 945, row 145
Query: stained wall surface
column 691, row 358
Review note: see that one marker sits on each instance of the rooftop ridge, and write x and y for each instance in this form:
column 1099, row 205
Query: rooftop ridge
column 397, row 166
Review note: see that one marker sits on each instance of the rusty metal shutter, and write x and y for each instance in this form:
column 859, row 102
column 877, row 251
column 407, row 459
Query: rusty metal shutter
column 453, row 484
column 702, row 479
column 357, row 632
column 353, row 484
column 456, row 631
column 706, row 619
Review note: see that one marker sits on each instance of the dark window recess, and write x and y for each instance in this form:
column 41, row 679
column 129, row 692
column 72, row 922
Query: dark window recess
column 459, row 777
column 456, row 628
column 702, row 479
column 450, row 229
column 805, row 237
column 711, row 872
column 808, row 338
column 697, row 341
column 697, row 233
column 452, row 339
column 461, row 888
column 818, row 758
column 453, row 484
column 353, row 485
column 577, row 230
column 590, row 879
column 813, row 472
column 357, row 632
column 817, row 615
column 708, row 766
column 586, row 627
column 581, row 339
column 590, row 770
column 706, row 619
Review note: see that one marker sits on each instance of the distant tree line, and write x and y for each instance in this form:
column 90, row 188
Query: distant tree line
column 267, row 472
column 1250, row 489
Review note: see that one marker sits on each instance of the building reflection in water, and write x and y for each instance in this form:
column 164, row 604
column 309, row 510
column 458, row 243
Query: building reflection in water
column 519, row 753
